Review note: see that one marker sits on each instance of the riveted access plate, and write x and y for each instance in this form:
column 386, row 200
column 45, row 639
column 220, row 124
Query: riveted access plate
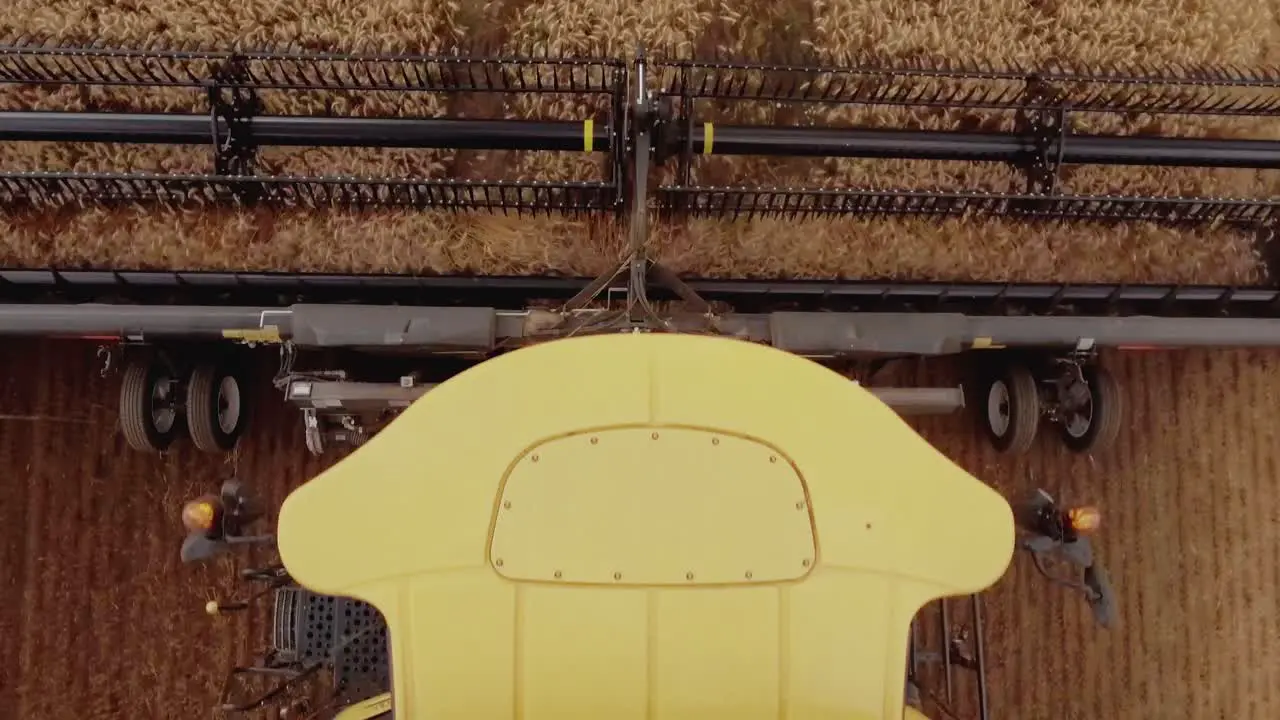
column 653, row 506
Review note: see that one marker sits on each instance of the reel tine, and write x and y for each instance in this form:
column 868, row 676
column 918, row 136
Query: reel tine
column 800, row 203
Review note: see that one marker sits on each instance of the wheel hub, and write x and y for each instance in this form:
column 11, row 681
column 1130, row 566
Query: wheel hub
column 999, row 414
column 1078, row 419
column 228, row 404
column 164, row 412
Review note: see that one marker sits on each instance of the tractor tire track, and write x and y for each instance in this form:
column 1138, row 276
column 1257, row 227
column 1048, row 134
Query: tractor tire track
column 16, row 570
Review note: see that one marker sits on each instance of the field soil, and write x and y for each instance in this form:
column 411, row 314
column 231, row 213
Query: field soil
column 1109, row 35
column 101, row 621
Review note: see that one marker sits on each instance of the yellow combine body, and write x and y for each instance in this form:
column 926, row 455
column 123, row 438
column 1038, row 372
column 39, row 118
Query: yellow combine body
column 646, row 526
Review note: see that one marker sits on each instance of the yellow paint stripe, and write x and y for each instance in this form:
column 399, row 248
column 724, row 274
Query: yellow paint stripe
column 708, row 137
column 588, row 135
column 265, row 334
column 985, row 343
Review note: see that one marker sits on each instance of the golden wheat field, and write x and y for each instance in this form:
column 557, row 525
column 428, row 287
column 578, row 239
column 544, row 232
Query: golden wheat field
column 997, row 31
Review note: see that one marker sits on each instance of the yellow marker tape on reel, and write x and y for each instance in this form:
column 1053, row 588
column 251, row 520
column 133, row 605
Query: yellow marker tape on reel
column 708, row 137
column 588, row 135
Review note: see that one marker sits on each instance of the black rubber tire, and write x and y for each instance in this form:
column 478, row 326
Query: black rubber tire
column 1108, row 412
column 1024, row 409
column 203, row 407
column 136, row 420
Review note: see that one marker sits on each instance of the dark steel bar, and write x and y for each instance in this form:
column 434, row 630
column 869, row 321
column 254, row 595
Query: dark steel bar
column 425, row 329
column 569, row 136
column 1001, row 147
column 305, row 131
column 948, row 679
column 984, row 708
column 40, row 286
column 186, row 322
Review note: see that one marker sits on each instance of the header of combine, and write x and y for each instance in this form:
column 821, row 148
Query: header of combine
column 662, row 112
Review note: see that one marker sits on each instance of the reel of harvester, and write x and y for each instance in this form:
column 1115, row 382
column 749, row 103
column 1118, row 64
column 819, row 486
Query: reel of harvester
column 636, row 116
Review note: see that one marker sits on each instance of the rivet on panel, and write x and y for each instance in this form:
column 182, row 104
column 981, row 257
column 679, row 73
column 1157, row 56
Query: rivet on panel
column 773, row 458
column 534, row 458
column 688, row 576
column 558, row 574
column 654, row 436
column 498, row 562
column 805, row 562
column 800, row 505
column 506, row 504
column 617, row 576
column 868, row 526
column 595, row 441
column 715, row 441
column 748, row 574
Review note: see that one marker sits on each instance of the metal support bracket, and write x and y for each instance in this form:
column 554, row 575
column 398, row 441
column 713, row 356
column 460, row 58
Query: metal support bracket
column 653, row 133
column 1044, row 122
column 233, row 103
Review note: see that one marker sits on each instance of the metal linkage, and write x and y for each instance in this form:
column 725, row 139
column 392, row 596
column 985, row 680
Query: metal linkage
column 808, row 203
column 232, row 107
column 868, row 80
column 32, row 60
column 40, row 190
column 1047, row 128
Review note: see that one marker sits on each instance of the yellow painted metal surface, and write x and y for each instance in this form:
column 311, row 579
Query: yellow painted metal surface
column 580, row 509
column 375, row 708
column 416, row 521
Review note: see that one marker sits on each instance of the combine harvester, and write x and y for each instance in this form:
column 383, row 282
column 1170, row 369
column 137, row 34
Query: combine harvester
column 664, row 542
column 752, row 574
column 650, row 124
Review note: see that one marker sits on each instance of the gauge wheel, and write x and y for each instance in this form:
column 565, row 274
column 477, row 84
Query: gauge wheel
column 1094, row 426
column 150, row 414
column 1011, row 409
column 216, row 407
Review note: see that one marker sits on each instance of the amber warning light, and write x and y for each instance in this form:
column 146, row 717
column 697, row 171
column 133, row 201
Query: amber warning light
column 200, row 514
column 1085, row 519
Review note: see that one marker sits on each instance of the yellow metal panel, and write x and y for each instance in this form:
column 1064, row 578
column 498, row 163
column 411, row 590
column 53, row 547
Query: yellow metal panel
column 429, row 481
column 884, row 500
column 264, row 334
column 367, row 709
column 407, row 523
column 583, row 653
column 716, row 654
column 454, row 645
column 832, row 678
column 652, row 506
